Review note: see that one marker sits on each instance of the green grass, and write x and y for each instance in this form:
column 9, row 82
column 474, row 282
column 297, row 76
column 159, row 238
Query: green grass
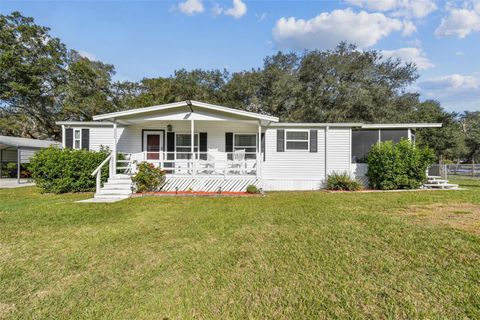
column 285, row 256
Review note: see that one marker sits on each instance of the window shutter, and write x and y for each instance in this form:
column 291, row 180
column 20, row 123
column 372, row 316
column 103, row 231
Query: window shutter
column 203, row 145
column 280, row 140
column 229, row 144
column 313, row 140
column 69, row 138
column 170, row 148
column 86, row 139
column 263, row 145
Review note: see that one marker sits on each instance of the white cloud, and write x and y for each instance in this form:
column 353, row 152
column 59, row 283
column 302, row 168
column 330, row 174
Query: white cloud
column 238, row 9
column 88, row 55
column 191, row 7
column 415, row 55
column 460, row 23
column 456, row 91
column 453, row 82
column 408, row 28
column 327, row 29
column 404, row 8
column 459, row 53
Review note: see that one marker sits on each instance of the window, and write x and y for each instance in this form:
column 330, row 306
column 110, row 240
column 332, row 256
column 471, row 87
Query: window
column 77, row 139
column 247, row 142
column 297, row 140
column 183, row 143
column 393, row 135
column 362, row 142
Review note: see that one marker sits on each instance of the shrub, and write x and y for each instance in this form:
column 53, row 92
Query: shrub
column 252, row 189
column 398, row 165
column 148, row 177
column 342, row 181
column 66, row 170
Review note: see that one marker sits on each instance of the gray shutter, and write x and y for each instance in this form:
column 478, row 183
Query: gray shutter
column 170, row 145
column 229, row 144
column 86, row 139
column 69, row 138
column 313, row 140
column 203, row 143
column 280, row 140
column 170, row 148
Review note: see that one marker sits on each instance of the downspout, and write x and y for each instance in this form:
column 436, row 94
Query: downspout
column 63, row 136
column 326, row 152
column 19, row 150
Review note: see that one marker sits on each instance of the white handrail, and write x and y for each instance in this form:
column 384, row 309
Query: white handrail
column 102, row 164
column 98, row 172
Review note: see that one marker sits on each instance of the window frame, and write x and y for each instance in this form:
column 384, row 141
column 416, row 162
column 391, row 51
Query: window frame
column 79, row 130
column 234, row 146
column 195, row 148
column 296, row 140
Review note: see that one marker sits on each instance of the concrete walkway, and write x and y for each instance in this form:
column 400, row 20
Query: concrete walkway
column 7, row 183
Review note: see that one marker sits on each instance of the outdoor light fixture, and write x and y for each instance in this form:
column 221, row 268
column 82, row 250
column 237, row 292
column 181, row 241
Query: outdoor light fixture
column 169, row 128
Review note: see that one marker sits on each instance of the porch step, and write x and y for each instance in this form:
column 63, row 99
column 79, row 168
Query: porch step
column 118, row 187
column 121, row 176
column 437, row 181
column 441, row 186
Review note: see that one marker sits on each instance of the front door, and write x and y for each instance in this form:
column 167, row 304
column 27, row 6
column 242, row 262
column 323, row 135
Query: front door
column 153, row 144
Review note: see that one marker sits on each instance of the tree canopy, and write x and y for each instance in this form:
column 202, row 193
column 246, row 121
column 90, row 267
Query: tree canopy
column 41, row 82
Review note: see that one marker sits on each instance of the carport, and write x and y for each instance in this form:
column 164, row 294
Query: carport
column 20, row 150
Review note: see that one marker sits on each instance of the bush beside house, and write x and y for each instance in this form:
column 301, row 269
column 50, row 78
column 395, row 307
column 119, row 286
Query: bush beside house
column 148, row 178
column 66, row 170
column 342, row 181
column 398, row 165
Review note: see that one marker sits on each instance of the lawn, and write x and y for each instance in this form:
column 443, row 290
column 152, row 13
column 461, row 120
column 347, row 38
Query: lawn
column 289, row 255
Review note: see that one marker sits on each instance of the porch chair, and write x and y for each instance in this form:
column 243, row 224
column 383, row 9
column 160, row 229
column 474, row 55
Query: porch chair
column 219, row 162
column 239, row 161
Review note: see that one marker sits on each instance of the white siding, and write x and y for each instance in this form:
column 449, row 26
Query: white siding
column 338, row 150
column 130, row 137
column 288, row 170
column 293, row 170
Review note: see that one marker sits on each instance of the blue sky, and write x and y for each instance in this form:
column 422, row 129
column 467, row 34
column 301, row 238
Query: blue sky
column 153, row 38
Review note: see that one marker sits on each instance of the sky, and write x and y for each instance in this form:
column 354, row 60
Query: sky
column 154, row 38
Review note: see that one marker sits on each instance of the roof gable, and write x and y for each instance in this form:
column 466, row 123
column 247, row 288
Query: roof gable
column 180, row 110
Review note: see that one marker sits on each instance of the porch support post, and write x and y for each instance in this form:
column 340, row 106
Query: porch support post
column 19, row 157
column 63, row 136
column 192, row 145
column 114, row 151
column 259, row 151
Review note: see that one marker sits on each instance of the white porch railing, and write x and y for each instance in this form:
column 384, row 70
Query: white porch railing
column 98, row 171
column 221, row 164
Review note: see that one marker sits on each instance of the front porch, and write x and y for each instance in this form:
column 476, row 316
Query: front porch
column 201, row 147
column 210, row 164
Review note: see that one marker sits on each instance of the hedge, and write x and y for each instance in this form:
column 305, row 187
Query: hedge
column 398, row 165
column 57, row 170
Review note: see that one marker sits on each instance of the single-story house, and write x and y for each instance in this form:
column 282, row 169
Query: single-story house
column 19, row 151
column 231, row 148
